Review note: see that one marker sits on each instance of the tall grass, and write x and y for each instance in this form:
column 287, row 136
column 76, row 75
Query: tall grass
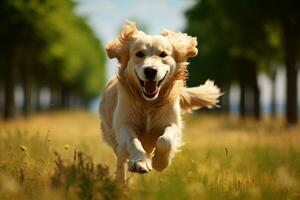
column 223, row 158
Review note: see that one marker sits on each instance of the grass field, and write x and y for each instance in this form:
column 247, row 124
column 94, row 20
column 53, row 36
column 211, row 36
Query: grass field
column 223, row 158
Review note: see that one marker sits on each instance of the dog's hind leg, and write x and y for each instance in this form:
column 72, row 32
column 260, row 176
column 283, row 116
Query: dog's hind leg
column 166, row 147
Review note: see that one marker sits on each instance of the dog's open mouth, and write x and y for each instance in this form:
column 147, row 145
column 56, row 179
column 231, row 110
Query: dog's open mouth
column 150, row 87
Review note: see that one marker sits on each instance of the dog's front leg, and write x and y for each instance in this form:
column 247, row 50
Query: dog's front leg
column 166, row 146
column 138, row 159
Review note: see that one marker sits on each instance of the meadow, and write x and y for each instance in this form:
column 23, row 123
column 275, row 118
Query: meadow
column 61, row 155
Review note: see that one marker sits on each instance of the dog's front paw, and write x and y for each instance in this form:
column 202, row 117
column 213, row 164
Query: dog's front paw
column 140, row 166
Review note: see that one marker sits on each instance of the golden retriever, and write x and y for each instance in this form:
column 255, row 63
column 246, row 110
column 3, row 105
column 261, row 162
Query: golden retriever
column 141, row 106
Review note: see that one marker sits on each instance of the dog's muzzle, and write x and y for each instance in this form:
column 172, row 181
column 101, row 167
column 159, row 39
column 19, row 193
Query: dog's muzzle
column 151, row 87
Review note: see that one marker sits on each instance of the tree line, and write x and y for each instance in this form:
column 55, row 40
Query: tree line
column 239, row 39
column 45, row 44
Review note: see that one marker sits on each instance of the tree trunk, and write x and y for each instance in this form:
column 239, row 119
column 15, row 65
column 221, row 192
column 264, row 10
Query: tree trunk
column 1, row 97
column 224, row 102
column 64, row 98
column 291, row 107
column 273, row 95
column 38, row 106
column 26, row 83
column 290, row 48
column 256, row 92
column 54, row 99
column 9, row 86
column 242, row 97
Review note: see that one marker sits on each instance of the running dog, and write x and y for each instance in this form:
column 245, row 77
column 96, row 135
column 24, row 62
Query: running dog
column 141, row 106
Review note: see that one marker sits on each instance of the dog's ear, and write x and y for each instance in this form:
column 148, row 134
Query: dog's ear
column 184, row 45
column 119, row 47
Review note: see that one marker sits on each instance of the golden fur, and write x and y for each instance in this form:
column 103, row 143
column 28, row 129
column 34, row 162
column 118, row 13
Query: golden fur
column 139, row 129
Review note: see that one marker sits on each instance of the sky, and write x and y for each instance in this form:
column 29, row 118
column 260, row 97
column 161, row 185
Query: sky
column 108, row 16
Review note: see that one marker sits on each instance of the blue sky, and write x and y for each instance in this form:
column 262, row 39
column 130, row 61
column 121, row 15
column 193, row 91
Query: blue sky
column 107, row 17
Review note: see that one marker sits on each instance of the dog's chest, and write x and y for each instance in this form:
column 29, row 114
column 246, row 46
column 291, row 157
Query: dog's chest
column 149, row 123
column 148, row 130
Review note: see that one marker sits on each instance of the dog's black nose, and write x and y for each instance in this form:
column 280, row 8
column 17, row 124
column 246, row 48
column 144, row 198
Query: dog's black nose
column 150, row 73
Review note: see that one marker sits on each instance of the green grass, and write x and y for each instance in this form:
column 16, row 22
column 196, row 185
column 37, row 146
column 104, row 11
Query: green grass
column 223, row 158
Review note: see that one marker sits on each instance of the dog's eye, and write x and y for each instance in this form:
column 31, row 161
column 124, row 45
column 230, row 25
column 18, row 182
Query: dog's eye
column 163, row 54
column 140, row 54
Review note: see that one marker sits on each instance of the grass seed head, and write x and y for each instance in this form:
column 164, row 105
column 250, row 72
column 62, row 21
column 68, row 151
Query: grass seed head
column 23, row 148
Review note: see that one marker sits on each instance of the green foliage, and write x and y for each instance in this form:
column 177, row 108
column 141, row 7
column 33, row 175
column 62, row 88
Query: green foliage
column 76, row 53
column 228, row 31
column 240, row 39
column 57, row 46
column 207, row 23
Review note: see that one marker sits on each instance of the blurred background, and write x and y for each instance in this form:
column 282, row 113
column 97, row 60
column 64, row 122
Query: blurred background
column 52, row 51
column 53, row 68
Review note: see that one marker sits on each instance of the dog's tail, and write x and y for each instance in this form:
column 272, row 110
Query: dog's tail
column 198, row 97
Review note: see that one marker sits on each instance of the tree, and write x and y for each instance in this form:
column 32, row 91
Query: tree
column 247, row 43
column 230, row 38
column 39, row 49
column 286, row 16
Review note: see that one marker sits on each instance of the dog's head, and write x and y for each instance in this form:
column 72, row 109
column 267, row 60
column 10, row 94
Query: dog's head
column 148, row 62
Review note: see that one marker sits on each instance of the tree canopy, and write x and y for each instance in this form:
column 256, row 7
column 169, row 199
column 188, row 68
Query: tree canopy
column 46, row 44
column 237, row 39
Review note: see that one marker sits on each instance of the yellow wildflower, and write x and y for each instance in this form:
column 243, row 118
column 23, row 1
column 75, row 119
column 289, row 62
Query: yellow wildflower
column 67, row 146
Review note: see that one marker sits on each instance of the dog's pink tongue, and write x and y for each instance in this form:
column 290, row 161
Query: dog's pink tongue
column 150, row 87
